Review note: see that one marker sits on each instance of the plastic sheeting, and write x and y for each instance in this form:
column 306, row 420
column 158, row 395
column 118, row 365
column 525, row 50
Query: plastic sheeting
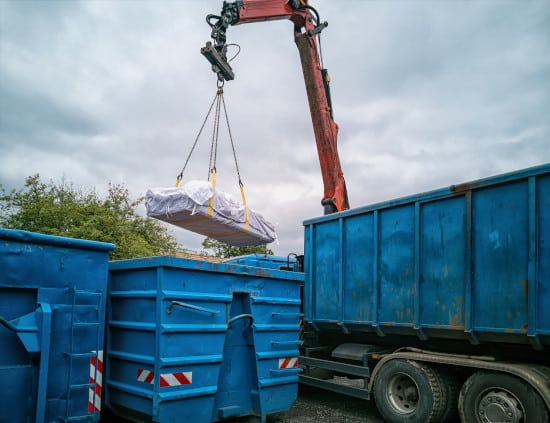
column 200, row 208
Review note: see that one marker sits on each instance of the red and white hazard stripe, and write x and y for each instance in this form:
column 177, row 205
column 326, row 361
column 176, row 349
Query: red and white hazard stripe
column 96, row 377
column 146, row 376
column 166, row 379
column 175, row 379
column 288, row 363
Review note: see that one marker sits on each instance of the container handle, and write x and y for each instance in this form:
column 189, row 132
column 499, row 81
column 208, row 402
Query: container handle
column 190, row 306
column 241, row 316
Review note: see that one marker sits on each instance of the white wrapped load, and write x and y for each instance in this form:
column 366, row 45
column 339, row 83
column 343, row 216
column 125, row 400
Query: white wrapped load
column 200, row 208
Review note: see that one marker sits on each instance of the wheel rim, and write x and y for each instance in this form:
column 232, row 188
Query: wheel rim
column 499, row 405
column 402, row 393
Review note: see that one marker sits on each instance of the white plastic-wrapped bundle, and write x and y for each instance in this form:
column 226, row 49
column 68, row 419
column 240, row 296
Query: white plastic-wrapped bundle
column 200, row 208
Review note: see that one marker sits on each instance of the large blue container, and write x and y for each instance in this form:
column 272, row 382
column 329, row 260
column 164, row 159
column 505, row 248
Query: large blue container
column 267, row 261
column 52, row 308
column 470, row 262
column 197, row 341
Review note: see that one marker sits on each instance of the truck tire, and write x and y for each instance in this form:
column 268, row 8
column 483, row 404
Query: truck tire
column 409, row 391
column 500, row 397
column 452, row 386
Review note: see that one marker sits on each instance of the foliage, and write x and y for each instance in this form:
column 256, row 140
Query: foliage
column 66, row 210
column 221, row 249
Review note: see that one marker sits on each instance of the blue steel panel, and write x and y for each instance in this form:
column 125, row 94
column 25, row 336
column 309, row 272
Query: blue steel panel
column 56, row 287
column 327, row 264
column 543, row 256
column 264, row 261
column 500, row 257
column 482, row 249
column 14, row 303
column 358, row 262
column 309, row 273
column 396, row 261
column 442, row 263
column 221, row 327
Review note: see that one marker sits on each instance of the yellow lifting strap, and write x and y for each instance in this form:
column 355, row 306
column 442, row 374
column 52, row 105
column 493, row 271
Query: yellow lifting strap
column 245, row 206
column 211, row 202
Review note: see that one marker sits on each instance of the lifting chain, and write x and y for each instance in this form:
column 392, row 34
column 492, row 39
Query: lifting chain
column 219, row 102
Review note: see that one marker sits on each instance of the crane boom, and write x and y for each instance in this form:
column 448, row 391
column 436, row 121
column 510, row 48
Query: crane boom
column 306, row 28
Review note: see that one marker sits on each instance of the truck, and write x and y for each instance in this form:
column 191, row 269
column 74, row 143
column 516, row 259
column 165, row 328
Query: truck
column 434, row 304
column 437, row 303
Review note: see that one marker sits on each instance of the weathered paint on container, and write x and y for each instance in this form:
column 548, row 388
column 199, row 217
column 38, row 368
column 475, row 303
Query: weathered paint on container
column 198, row 341
column 267, row 261
column 469, row 262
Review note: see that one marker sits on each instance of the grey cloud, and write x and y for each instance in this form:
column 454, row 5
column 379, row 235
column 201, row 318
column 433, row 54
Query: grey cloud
column 426, row 94
column 29, row 115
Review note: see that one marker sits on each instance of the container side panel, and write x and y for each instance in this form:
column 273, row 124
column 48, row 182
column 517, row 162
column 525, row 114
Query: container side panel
column 308, row 297
column 132, row 280
column 543, row 256
column 396, row 272
column 442, row 258
column 58, row 267
column 19, row 385
column 57, row 287
column 133, row 308
column 184, row 340
column 14, row 303
column 500, row 257
column 326, row 262
column 130, row 383
column 359, row 256
column 135, row 342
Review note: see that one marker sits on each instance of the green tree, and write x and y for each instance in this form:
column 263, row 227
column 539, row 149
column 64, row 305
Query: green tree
column 66, row 210
column 221, row 249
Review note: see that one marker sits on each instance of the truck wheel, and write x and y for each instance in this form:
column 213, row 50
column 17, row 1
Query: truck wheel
column 409, row 391
column 450, row 382
column 500, row 397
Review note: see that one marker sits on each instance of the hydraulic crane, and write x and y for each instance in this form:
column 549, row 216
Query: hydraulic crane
column 307, row 27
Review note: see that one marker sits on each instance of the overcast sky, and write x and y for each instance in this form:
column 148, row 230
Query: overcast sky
column 426, row 94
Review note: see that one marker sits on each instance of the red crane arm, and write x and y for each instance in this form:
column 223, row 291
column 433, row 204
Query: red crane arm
column 335, row 196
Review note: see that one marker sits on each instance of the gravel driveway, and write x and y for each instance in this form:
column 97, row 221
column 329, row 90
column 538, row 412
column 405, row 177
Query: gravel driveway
column 320, row 406
column 315, row 406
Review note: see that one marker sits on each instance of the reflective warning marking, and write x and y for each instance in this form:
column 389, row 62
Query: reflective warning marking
column 288, row 363
column 146, row 376
column 166, row 379
column 174, row 379
column 96, row 377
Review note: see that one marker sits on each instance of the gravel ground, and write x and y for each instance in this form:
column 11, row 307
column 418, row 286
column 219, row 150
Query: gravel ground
column 320, row 406
column 315, row 406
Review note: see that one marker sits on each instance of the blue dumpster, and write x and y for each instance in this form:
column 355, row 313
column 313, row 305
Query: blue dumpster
column 267, row 261
column 196, row 341
column 52, row 308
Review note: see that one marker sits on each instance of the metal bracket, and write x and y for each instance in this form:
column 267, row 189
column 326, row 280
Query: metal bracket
column 190, row 306
column 218, row 61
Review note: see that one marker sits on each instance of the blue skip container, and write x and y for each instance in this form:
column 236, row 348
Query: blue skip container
column 197, row 341
column 52, row 308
